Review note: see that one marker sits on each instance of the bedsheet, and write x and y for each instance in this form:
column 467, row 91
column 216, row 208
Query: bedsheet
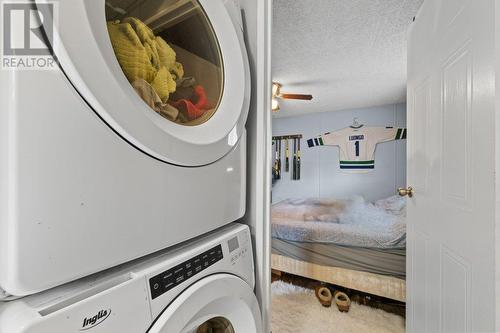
column 391, row 262
column 351, row 222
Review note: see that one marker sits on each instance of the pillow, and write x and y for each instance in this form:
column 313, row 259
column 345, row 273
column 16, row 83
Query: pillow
column 394, row 204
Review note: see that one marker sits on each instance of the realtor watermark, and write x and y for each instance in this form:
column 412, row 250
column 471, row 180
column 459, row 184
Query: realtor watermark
column 28, row 35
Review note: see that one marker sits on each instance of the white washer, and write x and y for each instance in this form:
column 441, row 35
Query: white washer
column 205, row 284
column 91, row 176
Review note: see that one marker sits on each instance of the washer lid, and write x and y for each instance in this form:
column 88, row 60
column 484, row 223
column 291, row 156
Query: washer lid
column 220, row 302
column 114, row 74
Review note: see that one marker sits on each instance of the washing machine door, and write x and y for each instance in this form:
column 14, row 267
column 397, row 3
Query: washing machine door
column 170, row 77
column 218, row 303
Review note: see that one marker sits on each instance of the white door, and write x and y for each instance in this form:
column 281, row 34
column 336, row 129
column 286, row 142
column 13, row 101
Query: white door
column 451, row 166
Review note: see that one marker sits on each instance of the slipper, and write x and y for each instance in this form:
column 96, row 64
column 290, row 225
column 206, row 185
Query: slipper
column 343, row 301
column 324, row 296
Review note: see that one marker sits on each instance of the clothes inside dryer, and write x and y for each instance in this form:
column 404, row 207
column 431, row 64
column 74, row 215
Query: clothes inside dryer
column 170, row 55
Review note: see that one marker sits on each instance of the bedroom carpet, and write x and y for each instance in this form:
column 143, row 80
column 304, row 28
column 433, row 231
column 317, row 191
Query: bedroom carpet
column 296, row 309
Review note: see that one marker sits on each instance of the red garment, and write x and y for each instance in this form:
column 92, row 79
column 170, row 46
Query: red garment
column 195, row 107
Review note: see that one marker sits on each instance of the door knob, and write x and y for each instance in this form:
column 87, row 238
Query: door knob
column 406, row 191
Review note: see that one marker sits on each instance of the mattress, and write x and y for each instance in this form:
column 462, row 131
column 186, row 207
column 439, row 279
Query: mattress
column 391, row 262
column 353, row 222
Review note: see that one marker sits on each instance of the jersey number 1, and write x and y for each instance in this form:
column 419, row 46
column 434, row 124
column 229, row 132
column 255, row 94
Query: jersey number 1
column 357, row 147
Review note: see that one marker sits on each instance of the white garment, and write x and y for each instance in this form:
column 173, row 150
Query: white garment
column 357, row 145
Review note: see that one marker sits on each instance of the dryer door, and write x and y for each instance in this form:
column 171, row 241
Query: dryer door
column 218, row 303
column 170, row 77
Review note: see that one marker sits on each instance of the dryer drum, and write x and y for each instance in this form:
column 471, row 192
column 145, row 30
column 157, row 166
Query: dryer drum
column 170, row 55
column 171, row 77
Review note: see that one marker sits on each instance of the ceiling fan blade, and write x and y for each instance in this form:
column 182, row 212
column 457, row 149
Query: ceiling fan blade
column 297, row 96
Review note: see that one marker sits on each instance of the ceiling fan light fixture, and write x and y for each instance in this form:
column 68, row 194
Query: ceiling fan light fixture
column 277, row 95
column 276, row 89
column 275, row 105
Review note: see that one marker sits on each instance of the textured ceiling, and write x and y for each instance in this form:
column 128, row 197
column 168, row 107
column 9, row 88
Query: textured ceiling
column 346, row 53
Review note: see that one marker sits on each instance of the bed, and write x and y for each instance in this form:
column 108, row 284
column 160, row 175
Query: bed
column 351, row 243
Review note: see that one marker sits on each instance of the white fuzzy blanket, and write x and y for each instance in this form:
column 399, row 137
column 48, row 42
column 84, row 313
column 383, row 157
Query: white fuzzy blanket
column 353, row 222
column 296, row 309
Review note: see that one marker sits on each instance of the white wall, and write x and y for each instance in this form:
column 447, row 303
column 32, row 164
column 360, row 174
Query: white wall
column 320, row 173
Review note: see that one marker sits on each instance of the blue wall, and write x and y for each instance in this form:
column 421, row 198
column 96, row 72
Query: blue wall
column 320, row 173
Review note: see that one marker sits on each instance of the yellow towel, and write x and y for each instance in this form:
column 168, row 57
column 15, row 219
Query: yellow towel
column 142, row 55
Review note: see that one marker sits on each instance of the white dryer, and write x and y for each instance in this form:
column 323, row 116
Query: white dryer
column 136, row 142
column 205, row 286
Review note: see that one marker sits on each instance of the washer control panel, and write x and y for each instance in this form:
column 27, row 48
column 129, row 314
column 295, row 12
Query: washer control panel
column 236, row 251
column 163, row 282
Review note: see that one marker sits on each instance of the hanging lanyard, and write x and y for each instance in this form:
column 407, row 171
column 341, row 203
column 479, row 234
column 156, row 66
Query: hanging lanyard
column 279, row 159
column 298, row 160
column 275, row 174
column 287, row 157
column 294, row 162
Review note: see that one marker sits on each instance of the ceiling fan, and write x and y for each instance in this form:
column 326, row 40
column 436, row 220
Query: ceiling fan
column 277, row 94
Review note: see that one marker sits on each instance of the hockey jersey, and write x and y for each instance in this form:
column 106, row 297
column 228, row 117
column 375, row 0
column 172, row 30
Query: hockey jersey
column 357, row 145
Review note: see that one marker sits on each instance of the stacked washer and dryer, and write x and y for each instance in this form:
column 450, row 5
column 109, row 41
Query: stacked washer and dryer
column 123, row 172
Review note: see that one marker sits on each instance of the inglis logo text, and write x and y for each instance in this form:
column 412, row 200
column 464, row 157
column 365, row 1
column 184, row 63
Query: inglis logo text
column 92, row 322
